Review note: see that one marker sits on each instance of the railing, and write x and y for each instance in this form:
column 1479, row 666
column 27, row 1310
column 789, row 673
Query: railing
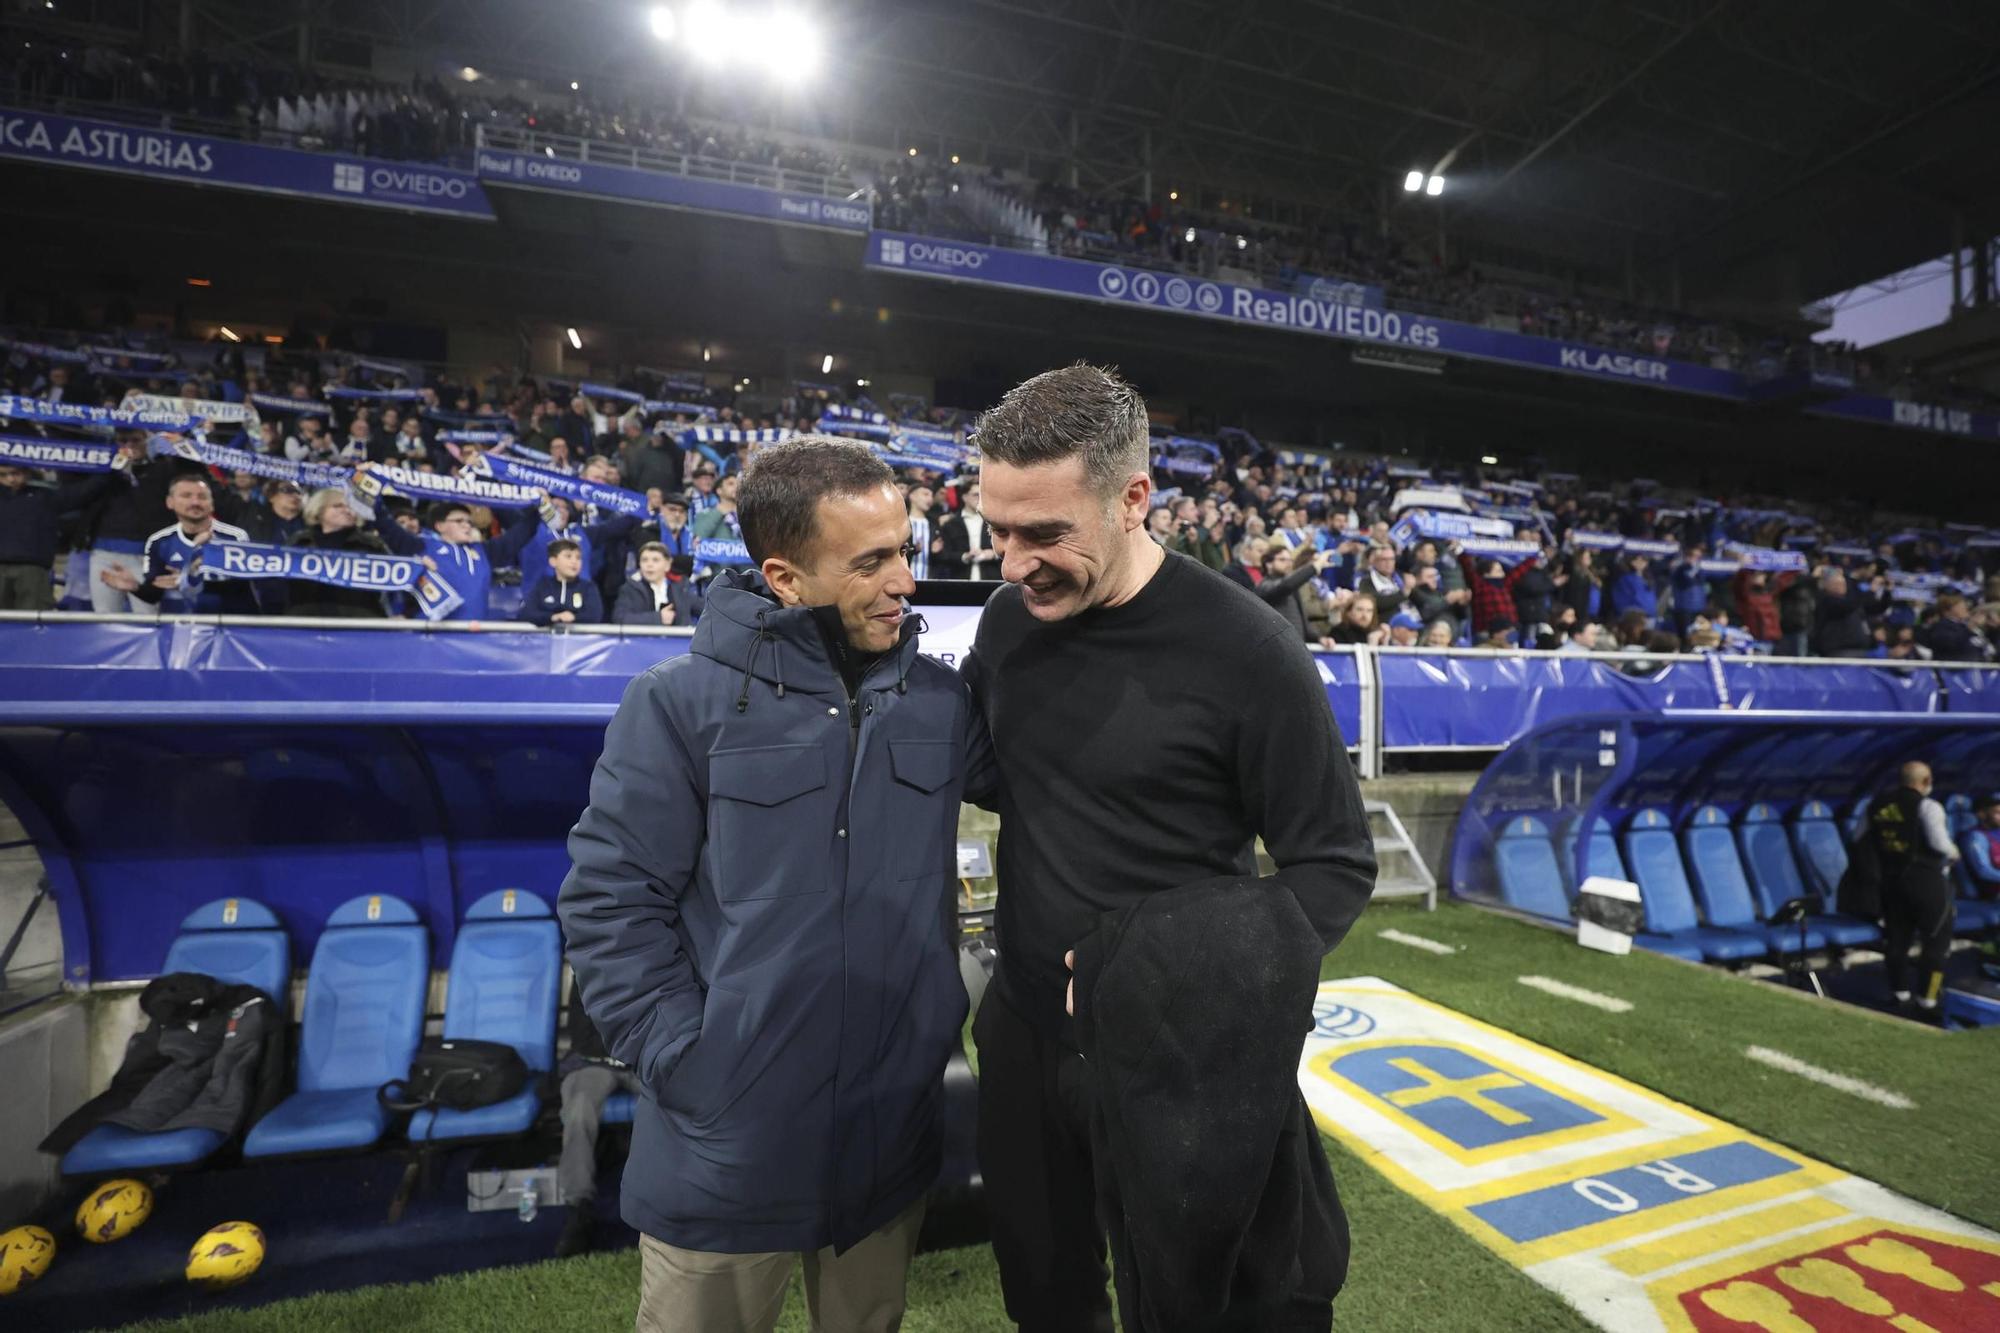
column 694, row 166
column 1388, row 701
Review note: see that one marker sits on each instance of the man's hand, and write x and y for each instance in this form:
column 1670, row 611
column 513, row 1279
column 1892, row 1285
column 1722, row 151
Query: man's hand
column 1069, row 992
column 122, row 579
column 562, row 618
column 168, row 581
column 667, row 614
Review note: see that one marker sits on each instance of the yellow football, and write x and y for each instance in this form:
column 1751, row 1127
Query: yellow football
column 25, row 1254
column 225, row 1255
column 113, row 1210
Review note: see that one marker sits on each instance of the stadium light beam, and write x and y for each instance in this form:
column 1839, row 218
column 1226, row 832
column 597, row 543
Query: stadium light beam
column 661, row 21
column 575, row 339
column 706, row 355
column 228, row 333
column 788, row 43
column 1413, row 182
column 1489, row 460
column 826, row 364
column 1434, row 186
column 1188, row 235
column 711, row 34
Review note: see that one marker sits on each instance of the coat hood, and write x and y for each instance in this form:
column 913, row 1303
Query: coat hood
column 745, row 627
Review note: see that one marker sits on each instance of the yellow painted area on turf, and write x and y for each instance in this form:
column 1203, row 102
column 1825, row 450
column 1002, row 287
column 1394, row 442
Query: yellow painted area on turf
column 1666, row 1292
column 1608, row 1122
column 1696, row 1242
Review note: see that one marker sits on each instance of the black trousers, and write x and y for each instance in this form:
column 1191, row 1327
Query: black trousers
column 1034, row 1163
column 1917, row 907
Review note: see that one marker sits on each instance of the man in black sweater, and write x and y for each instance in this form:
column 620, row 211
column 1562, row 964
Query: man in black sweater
column 1150, row 720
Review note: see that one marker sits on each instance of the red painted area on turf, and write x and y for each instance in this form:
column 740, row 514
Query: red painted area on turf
column 1855, row 1286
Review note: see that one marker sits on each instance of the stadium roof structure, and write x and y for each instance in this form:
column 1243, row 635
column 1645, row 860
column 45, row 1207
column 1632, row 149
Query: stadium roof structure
column 1747, row 152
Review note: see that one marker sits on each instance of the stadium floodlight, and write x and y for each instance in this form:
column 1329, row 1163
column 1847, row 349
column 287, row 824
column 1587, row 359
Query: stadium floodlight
column 661, row 20
column 229, row 334
column 954, row 159
column 574, row 86
column 1488, row 459
column 469, row 74
column 787, row 42
column 705, row 356
column 1413, row 182
column 913, row 152
column 1242, row 242
column 575, row 339
column 711, row 34
column 861, row 384
column 1173, row 196
column 1188, row 235
column 826, row 364
column 1434, row 186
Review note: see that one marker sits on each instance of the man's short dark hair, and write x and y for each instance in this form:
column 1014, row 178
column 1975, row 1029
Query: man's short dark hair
column 777, row 499
column 444, row 509
column 563, row 544
column 1081, row 411
column 186, row 477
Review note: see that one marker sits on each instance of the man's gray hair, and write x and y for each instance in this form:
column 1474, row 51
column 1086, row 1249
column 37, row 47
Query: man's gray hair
column 777, row 499
column 1081, row 411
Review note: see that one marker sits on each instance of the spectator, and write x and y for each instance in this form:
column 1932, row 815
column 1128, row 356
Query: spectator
column 1797, row 605
column 1359, row 623
column 1534, row 595
column 1586, row 638
column 118, row 525
column 968, row 544
column 1288, row 586
column 1580, row 587
column 925, row 541
column 172, row 550
column 1441, row 633
column 1951, row 637
column 652, row 460
column 28, row 531
column 1247, row 567
column 653, row 596
column 563, row 596
column 1406, row 627
column 1379, row 577
column 1160, row 524
column 280, row 518
column 718, row 519
column 703, row 497
column 1196, row 540
column 673, row 531
column 330, row 525
column 1840, row 618
column 1756, row 606
column 1634, row 591
column 1690, row 586
column 452, row 549
column 1492, row 585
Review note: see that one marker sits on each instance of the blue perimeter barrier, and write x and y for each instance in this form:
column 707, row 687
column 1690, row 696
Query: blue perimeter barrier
column 159, row 764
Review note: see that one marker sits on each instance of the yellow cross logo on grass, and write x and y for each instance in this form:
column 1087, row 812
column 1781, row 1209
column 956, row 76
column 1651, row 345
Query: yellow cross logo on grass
column 1472, row 1091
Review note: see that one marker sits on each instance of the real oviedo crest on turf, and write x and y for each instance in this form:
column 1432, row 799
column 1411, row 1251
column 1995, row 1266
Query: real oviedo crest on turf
column 1644, row 1214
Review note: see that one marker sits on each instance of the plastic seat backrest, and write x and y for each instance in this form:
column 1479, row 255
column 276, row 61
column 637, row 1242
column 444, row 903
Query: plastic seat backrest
column 1654, row 856
column 1605, row 858
column 238, row 941
column 1525, row 860
column 1822, row 855
column 1767, row 855
column 365, row 996
column 506, row 970
column 1717, row 871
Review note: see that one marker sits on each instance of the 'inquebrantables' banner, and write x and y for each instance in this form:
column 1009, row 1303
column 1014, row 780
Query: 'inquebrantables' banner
column 62, row 455
column 198, row 159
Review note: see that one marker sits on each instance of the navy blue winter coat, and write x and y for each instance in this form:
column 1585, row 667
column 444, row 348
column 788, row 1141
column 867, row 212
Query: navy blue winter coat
column 764, row 929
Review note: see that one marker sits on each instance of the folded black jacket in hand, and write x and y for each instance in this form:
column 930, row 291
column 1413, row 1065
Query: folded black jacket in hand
column 1192, row 1009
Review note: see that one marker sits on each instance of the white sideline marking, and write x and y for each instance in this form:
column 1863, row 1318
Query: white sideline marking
column 1853, row 1087
column 1423, row 942
column 1610, row 1004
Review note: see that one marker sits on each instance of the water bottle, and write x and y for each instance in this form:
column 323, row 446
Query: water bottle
column 530, row 1202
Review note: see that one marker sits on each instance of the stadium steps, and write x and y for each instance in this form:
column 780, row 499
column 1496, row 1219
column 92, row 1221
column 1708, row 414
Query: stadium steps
column 1400, row 871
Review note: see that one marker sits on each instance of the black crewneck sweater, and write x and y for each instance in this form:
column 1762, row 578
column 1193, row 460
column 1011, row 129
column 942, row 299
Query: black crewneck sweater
column 1145, row 746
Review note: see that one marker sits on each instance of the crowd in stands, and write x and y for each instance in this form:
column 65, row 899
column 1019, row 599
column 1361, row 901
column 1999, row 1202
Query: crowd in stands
column 1331, row 540
column 437, row 119
column 1315, row 538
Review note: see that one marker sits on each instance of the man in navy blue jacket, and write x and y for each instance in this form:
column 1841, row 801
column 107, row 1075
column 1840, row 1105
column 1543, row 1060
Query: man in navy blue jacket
column 760, row 914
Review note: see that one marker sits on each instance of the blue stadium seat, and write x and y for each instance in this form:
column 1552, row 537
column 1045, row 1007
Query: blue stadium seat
column 1822, row 855
column 1722, row 890
column 233, row 940
column 506, row 969
column 1855, row 822
column 1775, row 878
column 1604, row 856
column 364, row 1014
column 1525, row 861
column 1654, row 855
